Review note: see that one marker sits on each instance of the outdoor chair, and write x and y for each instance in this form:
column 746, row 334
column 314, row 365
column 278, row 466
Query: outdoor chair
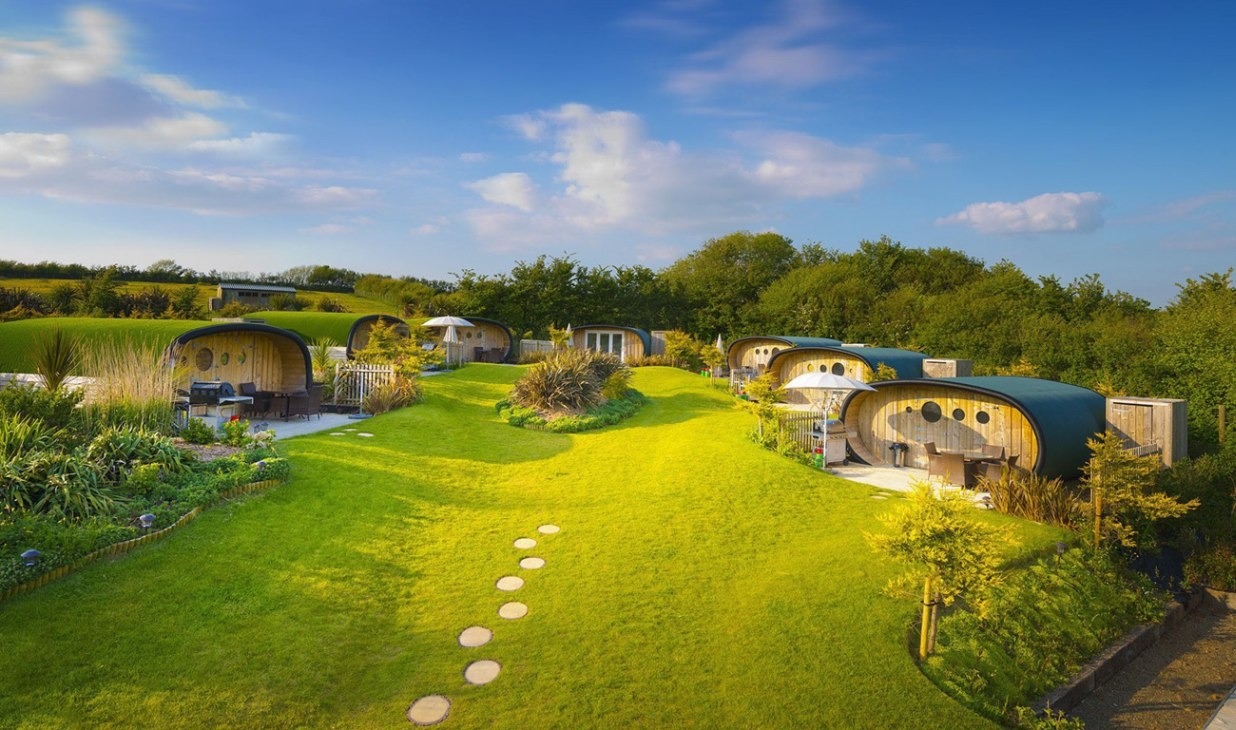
column 930, row 446
column 993, row 451
column 994, row 471
column 261, row 399
column 307, row 403
column 950, row 467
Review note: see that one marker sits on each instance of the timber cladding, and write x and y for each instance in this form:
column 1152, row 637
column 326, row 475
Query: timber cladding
column 273, row 359
column 754, row 352
column 798, row 361
column 956, row 420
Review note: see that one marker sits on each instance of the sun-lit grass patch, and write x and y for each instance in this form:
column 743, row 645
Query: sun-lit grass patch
column 698, row 581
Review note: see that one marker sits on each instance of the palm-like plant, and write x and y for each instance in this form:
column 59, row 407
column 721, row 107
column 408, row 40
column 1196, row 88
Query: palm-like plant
column 56, row 355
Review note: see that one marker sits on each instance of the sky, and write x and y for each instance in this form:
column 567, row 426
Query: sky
column 426, row 138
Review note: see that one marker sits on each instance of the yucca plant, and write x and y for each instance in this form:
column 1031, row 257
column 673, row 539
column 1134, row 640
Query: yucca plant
column 56, row 356
column 565, row 384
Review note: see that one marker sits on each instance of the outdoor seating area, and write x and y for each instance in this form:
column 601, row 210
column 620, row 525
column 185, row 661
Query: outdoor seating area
column 964, row 469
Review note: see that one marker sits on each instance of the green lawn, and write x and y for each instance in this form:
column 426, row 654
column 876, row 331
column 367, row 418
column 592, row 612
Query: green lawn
column 312, row 325
column 18, row 339
column 698, row 581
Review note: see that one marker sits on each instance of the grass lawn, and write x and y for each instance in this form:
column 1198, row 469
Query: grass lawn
column 312, row 325
column 18, row 339
column 698, row 581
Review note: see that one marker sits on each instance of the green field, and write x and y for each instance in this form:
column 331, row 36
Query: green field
column 698, row 581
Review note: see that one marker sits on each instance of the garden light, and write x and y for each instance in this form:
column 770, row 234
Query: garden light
column 147, row 520
column 31, row 557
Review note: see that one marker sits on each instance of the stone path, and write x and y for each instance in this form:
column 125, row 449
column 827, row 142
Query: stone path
column 433, row 709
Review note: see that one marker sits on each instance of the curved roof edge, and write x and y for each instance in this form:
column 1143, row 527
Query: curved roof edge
column 267, row 329
column 643, row 336
column 907, row 363
column 510, row 336
column 1063, row 416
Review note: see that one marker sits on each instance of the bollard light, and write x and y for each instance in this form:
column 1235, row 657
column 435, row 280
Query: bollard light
column 31, row 557
column 147, row 520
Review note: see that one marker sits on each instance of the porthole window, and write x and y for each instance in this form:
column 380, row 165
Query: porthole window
column 224, row 359
column 205, row 358
column 240, row 358
column 959, row 415
column 810, row 367
column 909, row 409
column 838, row 368
column 982, row 417
column 931, row 411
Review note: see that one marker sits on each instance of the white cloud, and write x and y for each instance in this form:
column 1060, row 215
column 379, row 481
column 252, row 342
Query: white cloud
column 179, row 91
column 25, row 154
column 327, row 229
column 335, row 196
column 257, row 144
column 529, row 127
column 509, row 188
column 788, row 52
column 90, row 49
column 609, row 176
column 159, row 133
column 1047, row 213
column 473, row 157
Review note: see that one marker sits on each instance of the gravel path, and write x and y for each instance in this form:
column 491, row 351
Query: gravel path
column 1175, row 684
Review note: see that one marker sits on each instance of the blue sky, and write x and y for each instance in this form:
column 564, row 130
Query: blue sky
column 425, row 138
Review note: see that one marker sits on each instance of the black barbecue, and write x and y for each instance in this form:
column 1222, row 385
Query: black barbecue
column 210, row 392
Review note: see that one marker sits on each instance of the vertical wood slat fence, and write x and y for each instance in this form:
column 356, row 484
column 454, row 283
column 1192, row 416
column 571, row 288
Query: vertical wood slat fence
column 527, row 346
column 354, row 380
column 800, row 425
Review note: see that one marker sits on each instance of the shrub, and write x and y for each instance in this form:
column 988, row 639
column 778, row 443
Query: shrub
column 63, row 486
column 197, row 432
column 19, row 435
column 55, row 409
column 570, row 382
column 608, row 414
column 236, row 433
column 285, row 303
column 330, row 304
column 1213, row 566
column 397, row 393
column 117, row 450
column 1033, row 497
column 56, row 356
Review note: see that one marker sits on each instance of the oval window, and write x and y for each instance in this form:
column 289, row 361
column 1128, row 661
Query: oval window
column 982, row 417
column 810, row 367
column 205, row 358
column 224, row 358
column 959, row 415
column 931, row 411
column 838, row 368
column 240, row 358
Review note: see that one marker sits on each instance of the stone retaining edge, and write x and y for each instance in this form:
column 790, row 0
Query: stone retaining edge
column 1116, row 657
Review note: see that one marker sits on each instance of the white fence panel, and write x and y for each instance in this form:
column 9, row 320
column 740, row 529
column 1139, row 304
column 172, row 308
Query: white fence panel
column 354, row 380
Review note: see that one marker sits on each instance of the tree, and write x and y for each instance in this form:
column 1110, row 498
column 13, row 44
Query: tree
column 1121, row 493
column 948, row 550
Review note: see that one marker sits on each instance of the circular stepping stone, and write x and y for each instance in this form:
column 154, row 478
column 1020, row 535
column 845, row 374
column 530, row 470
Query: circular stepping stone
column 510, row 583
column 513, row 610
column 482, row 672
column 532, row 563
column 338, row 433
column 429, row 710
column 524, row 543
column 475, row 636
column 548, row 529
column 349, row 430
column 365, row 435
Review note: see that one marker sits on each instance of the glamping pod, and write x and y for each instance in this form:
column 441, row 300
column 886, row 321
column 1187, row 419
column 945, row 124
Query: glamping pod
column 358, row 336
column 628, row 343
column 859, row 363
column 1043, row 423
column 487, row 341
column 274, row 359
column 753, row 353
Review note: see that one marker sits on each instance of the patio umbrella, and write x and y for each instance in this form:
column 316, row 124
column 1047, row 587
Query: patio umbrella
column 720, row 344
column 447, row 321
column 827, row 382
column 451, row 340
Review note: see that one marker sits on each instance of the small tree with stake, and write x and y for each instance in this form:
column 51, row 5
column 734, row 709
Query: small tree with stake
column 949, row 551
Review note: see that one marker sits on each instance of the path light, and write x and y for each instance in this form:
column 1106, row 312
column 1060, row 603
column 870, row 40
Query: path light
column 31, row 557
column 147, row 520
column 1060, row 548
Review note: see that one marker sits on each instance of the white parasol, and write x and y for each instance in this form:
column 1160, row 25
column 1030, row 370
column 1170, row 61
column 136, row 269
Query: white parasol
column 827, row 382
column 451, row 340
column 447, row 321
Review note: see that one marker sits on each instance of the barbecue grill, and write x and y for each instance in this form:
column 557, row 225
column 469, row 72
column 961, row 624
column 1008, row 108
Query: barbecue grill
column 211, row 392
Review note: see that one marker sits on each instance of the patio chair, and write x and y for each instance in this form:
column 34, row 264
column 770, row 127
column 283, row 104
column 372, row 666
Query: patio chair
column 994, row 471
column 993, row 451
column 949, row 467
column 306, row 404
column 261, row 399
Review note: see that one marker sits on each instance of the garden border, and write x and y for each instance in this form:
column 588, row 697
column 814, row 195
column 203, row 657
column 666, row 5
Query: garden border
column 125, row 546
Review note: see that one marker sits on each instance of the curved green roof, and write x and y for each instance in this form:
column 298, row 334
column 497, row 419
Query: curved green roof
column 907, row 363
column 1063, row 416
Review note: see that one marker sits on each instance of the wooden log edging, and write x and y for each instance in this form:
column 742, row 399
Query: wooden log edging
column 125, row 546
column 1116, row 657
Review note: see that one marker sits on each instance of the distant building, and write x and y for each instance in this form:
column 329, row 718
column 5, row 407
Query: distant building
column 250, row 295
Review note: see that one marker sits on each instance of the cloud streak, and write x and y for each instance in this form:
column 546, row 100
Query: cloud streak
column 1047, row 213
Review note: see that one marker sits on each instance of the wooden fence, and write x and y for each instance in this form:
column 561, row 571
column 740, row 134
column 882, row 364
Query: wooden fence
column 527, row 346
column 800, row 425
column 353, row 380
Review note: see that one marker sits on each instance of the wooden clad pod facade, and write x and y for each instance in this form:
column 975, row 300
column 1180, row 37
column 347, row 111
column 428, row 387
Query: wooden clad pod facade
column 488, row 341
column 358, row 336
column 272, row 358
column 629, row 343
column 754, row 353
column 859, row 363
column 1043, row 423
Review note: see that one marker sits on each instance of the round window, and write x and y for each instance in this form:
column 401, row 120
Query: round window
column 931, row 411
column 240, row 358
column 205, row 358
column 909, row 409
column 838, row 368
column 810, row 367
column 224, row 358
column 959, row 415
column 982, row 417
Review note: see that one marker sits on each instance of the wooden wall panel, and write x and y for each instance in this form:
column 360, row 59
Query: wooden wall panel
column 754, row 354
column 272, row 363
column 895, row 414
column 792, row 364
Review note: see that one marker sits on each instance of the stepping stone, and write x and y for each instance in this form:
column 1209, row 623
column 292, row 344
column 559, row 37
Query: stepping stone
column 524, row 543
column 547, row 529
column 364, row 435
column 482, row 672
column 513, row 610
column 429, row 710
column 475, row 636
column 510, row 583
column 878, row 496
column 350, row 430
column 532, row 563
column 338, row 433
